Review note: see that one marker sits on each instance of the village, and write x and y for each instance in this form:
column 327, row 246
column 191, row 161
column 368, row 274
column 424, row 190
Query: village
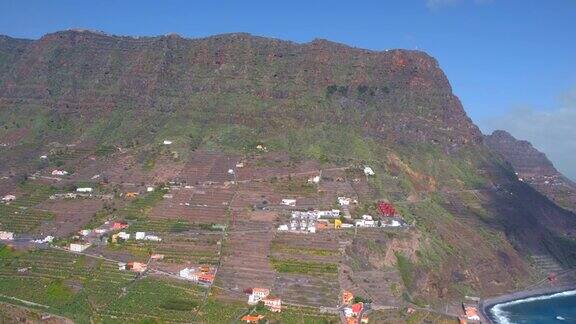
column 182, row 228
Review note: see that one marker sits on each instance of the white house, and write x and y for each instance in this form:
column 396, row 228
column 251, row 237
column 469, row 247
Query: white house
column 368, row 171
column 149, row 189
column 79, row 247
column 344, row 201
column 47, row 239
column 85, row 232
column 86, row 189
column 59, row 172
column 189, row 274
column 230, row 171
column 288, row 202
column 124, row 235
column 140, row 235
column 43, row 157
column 7, row 236
column 167, row 142
column 8, row 198
column 315, row 179
column 152, row 238
column 283, row 228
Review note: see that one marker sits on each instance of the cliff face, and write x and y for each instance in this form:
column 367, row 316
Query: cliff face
column 397, row 95
column 533, row 167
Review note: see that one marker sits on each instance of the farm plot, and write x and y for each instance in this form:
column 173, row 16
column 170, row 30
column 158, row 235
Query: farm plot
column 333, row 184
column 307, row 267
column 197, row 248
column 320, row 247
column 383, row 287
column 207, row 206
column 300, row 314
column 276, row 166
column 70, row 215
column 245, row 262
column 205, row 166
column 20, row 216
column 71, row 285
column 155, row 299
column 252, row 193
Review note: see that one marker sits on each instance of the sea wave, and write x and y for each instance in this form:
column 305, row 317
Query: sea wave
column 502, row 317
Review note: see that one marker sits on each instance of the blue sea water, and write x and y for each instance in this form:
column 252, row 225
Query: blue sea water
column 557, row 308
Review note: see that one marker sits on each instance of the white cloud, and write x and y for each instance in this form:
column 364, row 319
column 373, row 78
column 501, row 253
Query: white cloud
column 552, row 132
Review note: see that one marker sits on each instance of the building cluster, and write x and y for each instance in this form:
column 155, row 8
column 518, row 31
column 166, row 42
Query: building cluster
column 202, row 275
column 256, row 295
column 353, row 312
column 471, row 313
column 139, row 236
column 133, row 266
column 309, row 221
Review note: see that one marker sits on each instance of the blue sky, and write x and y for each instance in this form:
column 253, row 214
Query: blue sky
column 512, row 62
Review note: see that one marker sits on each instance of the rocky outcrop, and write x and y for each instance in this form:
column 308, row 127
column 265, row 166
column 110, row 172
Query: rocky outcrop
column 534, row 168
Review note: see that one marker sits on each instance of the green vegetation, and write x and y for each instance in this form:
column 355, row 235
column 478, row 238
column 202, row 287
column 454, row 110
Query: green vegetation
column 303, row 267
column 406, row 269
column 276, row 247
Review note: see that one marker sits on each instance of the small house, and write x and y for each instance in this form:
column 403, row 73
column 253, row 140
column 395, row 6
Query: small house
column 314, row 180
column 189, row 274
column 85, row 232
column 123, row 235
column 167, row 142
column 257, row 295
column 288, row 202
column 357, row 308
column 157, row 256
column 119, row 225
column 347, row 297
column 207, row 278
column 131, row 194
column 140, row 235
column 368, row 171
column 136, row 266
column 149, row 189
column 6, row 236
column 153, row 238
column 121, row 266
column 274, row 304
column 252, row 318
column 471, row 312
column 344, row 201
column 84, row 190
column 8, row 198
column 283, row 228
column 79, row 247
column 59, row 172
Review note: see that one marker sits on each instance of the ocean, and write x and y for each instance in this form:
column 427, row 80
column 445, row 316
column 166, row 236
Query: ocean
column 555, row 308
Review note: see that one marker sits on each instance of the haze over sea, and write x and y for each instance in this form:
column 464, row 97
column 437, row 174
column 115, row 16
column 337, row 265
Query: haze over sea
column 555, row 308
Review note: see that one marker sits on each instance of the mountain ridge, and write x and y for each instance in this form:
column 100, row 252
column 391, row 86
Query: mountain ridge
column 108, row 104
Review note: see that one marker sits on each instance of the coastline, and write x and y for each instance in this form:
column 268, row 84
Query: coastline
column 486, row 304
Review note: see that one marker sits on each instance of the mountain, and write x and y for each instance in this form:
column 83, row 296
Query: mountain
column 533, row 167
column 101, row 106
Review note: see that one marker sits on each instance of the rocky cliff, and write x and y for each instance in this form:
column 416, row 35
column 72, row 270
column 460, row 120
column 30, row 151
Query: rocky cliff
column 533, row 167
